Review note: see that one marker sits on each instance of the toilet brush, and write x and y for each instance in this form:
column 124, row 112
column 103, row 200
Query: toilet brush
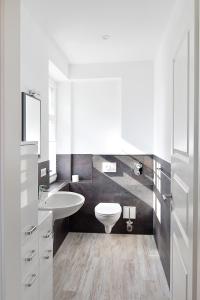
column 129, row 224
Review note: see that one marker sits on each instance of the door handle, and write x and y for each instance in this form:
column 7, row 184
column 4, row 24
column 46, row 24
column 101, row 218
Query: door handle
column 167, row 196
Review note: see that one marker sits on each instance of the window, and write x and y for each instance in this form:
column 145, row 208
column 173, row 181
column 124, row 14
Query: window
column 52, row 129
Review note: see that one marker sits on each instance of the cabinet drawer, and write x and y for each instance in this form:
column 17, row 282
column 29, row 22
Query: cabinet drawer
column 29, row 221
column 46, row 250
column 30, row 285
column 29, row 189
column 46, row 263
column 46, row 286
column 46, row 235
column 29, row 254
column 46, row 258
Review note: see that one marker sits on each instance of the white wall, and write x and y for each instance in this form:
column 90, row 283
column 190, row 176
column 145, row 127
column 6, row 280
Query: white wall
column 163, row 84
column 36, row 51
column 136, row 103
column 63, row 118
column 96, row 116
column 134, row 122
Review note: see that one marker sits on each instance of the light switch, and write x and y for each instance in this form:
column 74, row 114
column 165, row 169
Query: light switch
column 109, row 167
column 43, row 172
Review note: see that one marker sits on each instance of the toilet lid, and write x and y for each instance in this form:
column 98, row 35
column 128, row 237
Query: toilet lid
column 108, row 208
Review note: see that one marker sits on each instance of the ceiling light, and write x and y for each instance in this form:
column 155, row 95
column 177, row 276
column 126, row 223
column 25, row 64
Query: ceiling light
column 106, row 37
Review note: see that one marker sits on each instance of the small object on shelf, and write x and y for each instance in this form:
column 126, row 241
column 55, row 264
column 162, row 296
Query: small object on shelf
column 75, row 178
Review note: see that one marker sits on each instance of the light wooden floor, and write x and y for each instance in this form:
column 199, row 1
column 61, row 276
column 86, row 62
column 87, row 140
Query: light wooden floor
column 92, row 266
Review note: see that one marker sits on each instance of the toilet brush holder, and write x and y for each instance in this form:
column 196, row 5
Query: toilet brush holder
column 129, row 226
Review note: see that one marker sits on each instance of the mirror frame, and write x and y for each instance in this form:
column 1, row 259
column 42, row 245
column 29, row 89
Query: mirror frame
column 24, row 99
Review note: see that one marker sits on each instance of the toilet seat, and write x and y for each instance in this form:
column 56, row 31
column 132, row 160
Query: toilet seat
column 105, row 209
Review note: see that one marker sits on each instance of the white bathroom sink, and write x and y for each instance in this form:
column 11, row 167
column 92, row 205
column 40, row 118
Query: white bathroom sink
column 63, row 204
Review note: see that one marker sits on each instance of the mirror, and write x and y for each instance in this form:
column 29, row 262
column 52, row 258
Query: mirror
column 31, row 119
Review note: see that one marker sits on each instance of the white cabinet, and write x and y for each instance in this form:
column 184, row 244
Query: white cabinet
column 36, row 233
column 29, row 222
column 46, row 255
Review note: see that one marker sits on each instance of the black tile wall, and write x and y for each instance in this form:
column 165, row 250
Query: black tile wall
column 122, row 187
column 61, row 229
column 45, row 179
column 63, row 167
column 82, row 166
column 162, row 230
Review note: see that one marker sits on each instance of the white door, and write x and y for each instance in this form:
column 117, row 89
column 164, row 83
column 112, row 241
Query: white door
column 183, row 163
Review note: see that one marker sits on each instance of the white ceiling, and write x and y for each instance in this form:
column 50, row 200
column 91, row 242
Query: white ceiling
column 77, row 26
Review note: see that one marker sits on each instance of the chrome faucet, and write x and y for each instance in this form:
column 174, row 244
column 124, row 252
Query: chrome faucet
column 42, row 188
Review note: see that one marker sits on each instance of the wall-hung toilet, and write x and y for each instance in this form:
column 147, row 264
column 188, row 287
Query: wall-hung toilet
column 108, row 214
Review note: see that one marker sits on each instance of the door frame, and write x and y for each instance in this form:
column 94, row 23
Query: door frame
column 198, row 175
column 196, row 208
column 196, row 171
column 10, row 128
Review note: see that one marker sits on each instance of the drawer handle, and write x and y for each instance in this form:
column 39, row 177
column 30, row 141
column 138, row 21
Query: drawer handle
column 31, row 230
column 48, row 256
column 33, row 278
column 48, row 235
column 31, row 256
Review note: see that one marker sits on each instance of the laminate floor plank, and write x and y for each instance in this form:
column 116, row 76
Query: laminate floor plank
column 92, row 266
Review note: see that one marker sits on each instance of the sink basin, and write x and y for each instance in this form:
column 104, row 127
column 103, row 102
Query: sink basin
column 63, row 204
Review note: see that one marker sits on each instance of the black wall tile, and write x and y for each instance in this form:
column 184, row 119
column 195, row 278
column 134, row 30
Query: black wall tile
column 61, row 229
column 43, row 180
column 63, row 166
column 162, row 231
column 121, row 187
column 82, row 166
